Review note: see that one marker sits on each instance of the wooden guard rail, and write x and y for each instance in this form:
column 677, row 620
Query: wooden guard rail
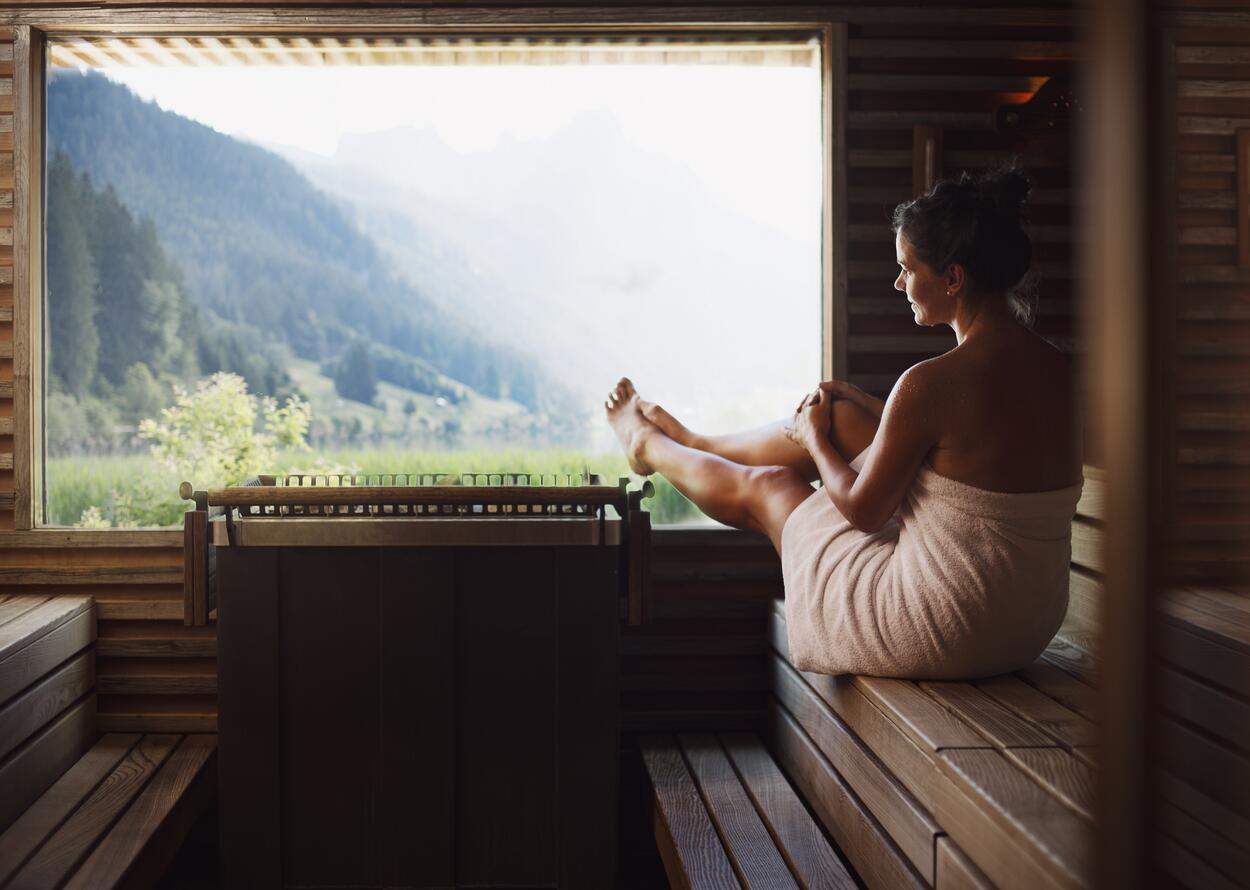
column 266, row 496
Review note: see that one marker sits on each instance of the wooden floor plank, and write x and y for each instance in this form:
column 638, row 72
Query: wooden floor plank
column 907, row 822
column 1015, row 832
column 745, row 837
column 116, row 857
column 1061, row 773
column 985, row 715
column 681, row 812
column 810, row 856
column 877, row 860
column 1050, row 716
column 56, row 860
column 42, row 818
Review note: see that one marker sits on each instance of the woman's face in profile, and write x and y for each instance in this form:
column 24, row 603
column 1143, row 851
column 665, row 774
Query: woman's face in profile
column 925, row 289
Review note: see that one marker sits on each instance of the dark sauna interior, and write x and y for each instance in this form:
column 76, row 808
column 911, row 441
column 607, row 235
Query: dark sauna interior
column 553, row 693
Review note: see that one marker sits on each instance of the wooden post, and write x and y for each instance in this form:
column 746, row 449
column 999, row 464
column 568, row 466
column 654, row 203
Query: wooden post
column 926, row 164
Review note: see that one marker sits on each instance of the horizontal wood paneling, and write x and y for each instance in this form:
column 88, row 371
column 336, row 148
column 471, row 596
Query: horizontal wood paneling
column 1210, row 531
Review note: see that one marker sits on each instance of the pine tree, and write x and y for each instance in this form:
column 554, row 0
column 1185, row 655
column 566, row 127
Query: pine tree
column 74, row 344
column 355, row 377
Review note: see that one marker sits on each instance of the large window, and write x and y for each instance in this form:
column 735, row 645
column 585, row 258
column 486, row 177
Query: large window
column 408, row 254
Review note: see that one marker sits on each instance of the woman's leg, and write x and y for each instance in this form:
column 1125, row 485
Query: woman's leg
column 851, row 431
column 760, row 498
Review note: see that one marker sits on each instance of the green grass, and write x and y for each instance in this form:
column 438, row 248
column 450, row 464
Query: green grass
column 74, row 484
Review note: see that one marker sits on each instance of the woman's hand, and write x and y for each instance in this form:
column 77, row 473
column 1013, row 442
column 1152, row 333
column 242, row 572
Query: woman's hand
column 812, row 420
column 840, row 389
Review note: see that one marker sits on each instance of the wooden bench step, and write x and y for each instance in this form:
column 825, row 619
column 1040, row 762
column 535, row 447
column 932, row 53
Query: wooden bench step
column 725, row 817
column 115, row 818
column 999, row 770
column 47, row 705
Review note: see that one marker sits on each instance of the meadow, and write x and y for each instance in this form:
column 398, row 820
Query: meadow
column 76, row 484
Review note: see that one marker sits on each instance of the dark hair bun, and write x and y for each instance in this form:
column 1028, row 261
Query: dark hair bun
column 976, row 221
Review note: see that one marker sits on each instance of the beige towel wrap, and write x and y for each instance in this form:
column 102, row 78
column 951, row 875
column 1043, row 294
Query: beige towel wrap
column 961, row 582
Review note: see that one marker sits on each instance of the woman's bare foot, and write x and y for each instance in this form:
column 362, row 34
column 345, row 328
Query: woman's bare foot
column 627, row 421
column 668, row 424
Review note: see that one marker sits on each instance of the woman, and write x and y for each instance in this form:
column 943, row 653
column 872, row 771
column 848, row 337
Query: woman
column 938, row 546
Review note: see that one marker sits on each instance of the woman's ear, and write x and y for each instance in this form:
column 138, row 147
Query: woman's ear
column 956, row 278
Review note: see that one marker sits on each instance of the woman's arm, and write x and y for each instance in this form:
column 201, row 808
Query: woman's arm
column 852, row 393
column 909, row 429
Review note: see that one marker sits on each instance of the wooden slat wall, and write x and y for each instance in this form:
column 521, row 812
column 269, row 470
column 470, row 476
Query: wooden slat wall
column 1211, row 532
column 951, row 76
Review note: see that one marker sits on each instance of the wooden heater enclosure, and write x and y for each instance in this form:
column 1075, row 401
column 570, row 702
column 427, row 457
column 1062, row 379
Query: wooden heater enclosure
column 416, row 699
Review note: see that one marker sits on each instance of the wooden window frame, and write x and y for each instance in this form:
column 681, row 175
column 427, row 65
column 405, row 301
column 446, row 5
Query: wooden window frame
column 34, row 27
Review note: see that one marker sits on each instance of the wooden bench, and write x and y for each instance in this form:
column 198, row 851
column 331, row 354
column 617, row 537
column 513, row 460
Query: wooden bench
column 962, row 784
column 76, row 811
column 725, row 817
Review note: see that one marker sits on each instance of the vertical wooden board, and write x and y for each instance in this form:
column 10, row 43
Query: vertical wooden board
column 810, row 855
column 589, row 709
column 41, row 703
column 955, row 871
column 329, row 680
column 416, row 799
column 866, row 845
column 26, row 665
column 747, row 841
column 32, row 769
column 248, row 717
column 506, row 694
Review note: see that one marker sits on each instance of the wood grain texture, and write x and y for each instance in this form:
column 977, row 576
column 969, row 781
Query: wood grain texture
column 955, row 871
column 34, row 825
column 1013, row 830
column 683, row 825
column 62, row 853
column 38, row 705
column 143, row 842
column 899, row 813
column 34, row 767
column 746, row 840
column 812, row 860
column 31, row 624
column 1062, row 773
column 877, row 861
column 985, row 715
column 1058, row 722
column 37, row 658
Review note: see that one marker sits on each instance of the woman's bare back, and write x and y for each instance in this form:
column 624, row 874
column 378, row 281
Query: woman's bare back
column 1009, row 419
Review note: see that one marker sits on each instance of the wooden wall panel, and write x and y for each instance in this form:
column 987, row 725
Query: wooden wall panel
column 6, row 282
column 1211, row 532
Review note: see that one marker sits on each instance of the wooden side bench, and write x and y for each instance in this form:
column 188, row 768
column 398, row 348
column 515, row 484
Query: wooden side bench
column 47, row 702
column 116, row 818
column 77, row 811
column 725, row 817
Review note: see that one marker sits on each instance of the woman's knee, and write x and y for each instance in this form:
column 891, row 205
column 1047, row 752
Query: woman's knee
column 773, row 493
column 852, row 428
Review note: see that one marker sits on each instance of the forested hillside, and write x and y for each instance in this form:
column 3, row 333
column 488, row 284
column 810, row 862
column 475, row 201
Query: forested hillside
column 252, row 253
